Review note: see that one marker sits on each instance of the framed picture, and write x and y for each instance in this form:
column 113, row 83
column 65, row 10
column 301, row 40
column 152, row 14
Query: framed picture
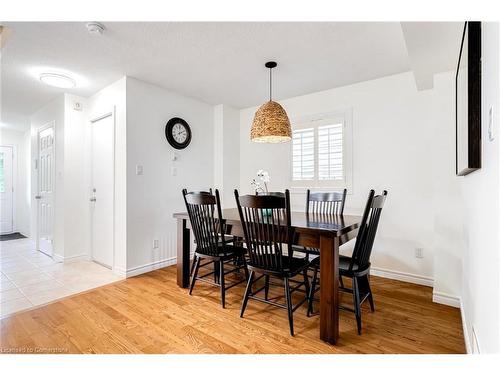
column 468, row 101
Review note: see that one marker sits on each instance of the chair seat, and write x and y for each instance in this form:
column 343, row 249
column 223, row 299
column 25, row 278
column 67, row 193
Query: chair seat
column 227, row 252
column 344, row 263
column 290, row 266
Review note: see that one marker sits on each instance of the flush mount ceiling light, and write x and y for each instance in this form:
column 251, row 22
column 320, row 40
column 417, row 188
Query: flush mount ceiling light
column 271, row 123
column 57, row 80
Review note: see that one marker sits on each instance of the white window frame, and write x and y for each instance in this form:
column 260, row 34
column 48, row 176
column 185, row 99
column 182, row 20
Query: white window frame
column 314, row 121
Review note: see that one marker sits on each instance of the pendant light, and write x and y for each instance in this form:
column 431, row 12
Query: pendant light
column 271, row 123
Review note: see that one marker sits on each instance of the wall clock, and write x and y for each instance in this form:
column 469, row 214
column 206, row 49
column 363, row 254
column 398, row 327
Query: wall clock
column 178, row 133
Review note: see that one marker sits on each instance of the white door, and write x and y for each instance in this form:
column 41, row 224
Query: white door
column 102, row 189
column 46, row 183
column 6, row 190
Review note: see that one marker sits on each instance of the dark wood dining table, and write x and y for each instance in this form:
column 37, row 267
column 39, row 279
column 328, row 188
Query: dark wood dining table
column 326, row 232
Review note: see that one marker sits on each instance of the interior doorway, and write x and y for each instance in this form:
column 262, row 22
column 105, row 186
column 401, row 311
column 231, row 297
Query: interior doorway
column 46, row 183
column 102, row 189
column 6, row 189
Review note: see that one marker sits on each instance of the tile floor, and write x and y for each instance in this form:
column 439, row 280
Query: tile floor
column 30, row 278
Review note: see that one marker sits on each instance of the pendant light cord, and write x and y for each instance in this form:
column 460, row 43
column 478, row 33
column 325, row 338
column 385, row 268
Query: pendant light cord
column 270, row 84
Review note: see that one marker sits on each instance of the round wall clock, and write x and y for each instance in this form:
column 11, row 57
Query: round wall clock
column 178, row 133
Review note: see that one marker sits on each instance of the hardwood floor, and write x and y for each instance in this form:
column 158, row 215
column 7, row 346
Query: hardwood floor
column 150, row 314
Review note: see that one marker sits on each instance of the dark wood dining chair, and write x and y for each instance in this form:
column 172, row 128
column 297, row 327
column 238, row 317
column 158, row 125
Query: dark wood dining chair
column 357, row 267
column 322, row 203
column 184, row 192
column 269, row 236
column 208, row 225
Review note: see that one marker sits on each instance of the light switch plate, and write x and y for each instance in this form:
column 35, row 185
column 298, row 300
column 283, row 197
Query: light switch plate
column 139, row 171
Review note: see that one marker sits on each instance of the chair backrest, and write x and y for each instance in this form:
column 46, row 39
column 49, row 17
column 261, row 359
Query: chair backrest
column 367, row 230
column 273, row 193
column 267, row 228
column 326, row 203
column 205, row 214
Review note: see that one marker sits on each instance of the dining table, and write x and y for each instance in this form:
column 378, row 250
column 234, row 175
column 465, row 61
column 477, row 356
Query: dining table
column 323, row 231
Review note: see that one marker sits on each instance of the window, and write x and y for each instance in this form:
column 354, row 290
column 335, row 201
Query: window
column 321, row 151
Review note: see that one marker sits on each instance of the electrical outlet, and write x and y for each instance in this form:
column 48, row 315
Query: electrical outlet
column 156, row 244
column 419, row 252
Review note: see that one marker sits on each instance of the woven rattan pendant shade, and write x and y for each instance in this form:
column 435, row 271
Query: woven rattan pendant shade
column 271, row 123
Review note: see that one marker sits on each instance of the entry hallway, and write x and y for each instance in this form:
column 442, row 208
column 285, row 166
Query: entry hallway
column 151, row 314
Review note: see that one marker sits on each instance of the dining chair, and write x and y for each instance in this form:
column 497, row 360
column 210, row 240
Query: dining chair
column 268, row 236
column 208, row 225
column 322, row 203
column 184, row 192
column 357, row 267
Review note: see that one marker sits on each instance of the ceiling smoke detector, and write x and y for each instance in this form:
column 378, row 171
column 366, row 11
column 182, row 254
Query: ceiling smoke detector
column 95, row 28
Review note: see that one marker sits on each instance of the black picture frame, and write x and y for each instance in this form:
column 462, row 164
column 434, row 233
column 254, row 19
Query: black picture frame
column 468, row 101
column 170, row 137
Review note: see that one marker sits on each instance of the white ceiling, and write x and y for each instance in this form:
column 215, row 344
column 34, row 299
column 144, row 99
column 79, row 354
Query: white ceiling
column 215, row 62
column 432, row 47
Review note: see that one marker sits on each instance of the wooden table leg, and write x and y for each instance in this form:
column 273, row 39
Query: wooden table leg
column 329, row 289
column 183, row 253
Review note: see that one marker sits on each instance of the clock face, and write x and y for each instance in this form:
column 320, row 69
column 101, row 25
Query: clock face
column 178, row 133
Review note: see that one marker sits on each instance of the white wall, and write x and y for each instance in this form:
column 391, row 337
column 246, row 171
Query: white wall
column 76, row 203
column 481, row 261
column 153, row 197
column 447, row 197
column 53, row 111
column 226, row 152
column 113, row 98
column 392, row 139
column 20, row 140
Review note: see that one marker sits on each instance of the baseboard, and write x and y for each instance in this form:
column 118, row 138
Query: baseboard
column 402, row 276
column 74, row 258
column 445, row 299
column 150, row 267
column 468, row 346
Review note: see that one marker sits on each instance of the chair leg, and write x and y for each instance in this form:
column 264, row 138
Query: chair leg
column 341, row 281
column 266, row 287
column 245, row 268
column 195, row 274
column 312, row 290
column 248, row 291
column 192, row 266
column 222, row 285
column 366, row 289
column 306, row 283
column 288, row 298
column 216, row 272
column 357, row 305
